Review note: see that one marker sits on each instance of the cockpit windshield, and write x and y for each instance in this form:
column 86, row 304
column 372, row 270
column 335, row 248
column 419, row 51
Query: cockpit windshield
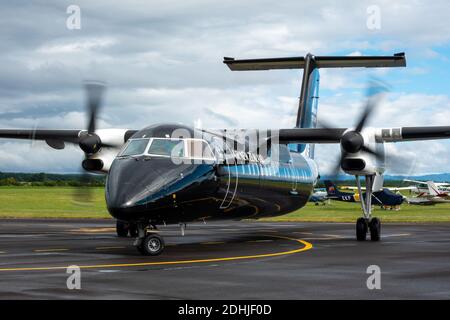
column 134, row 147
column 168, row 147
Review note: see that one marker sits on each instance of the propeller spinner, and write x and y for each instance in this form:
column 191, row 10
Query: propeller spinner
column 352, row 141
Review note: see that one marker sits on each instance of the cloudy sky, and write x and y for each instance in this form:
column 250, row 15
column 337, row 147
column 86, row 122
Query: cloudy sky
column 162, row 61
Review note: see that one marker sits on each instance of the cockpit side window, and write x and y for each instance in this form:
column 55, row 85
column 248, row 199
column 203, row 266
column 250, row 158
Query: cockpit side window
column 134, row 147
column 167, row 147
column 199, row 149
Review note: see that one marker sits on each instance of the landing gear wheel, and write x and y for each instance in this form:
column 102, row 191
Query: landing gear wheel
column 133, row 230
column 361, row 229
column 375, row 229
column 151, row 245
column 122, row 229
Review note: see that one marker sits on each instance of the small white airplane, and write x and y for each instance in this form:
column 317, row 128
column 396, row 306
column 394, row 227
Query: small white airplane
column 422, row 186
column 320, row 195
column 433, row 196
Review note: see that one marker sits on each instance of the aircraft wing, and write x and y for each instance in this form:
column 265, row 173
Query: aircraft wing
column 352, row 188
column 415, row 181
column 389, row 188
column 334, row 135
column 401, row 188
column 54, row 138
column 440, row 184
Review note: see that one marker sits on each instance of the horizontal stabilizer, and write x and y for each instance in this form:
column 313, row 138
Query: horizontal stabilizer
column 397, row 60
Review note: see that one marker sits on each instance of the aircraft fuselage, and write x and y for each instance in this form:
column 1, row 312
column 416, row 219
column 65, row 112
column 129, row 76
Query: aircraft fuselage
column 156, row 189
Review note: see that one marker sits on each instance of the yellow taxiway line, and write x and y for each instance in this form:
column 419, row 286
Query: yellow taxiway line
column 306, row 246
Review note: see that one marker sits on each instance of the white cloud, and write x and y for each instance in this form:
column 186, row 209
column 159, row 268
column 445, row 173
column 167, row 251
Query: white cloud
column 76, row 46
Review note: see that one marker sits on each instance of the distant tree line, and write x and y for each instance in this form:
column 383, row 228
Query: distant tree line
column 75, row 180
column 50, row 179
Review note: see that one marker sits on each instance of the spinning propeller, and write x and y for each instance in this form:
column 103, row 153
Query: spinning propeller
column 352, row 141
column 89, row 141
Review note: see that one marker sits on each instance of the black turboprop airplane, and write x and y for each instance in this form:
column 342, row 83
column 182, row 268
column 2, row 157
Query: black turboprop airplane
column 383, row 197
column 171, row 173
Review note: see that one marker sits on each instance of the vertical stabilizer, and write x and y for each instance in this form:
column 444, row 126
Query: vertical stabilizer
column 432, row 188
column 309, row 96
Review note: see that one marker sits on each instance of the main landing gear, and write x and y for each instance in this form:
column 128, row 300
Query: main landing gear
column 367, row 224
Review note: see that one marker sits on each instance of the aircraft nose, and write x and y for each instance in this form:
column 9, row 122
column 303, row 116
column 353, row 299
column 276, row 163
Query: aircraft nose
column 139, row 185
column 131, row 180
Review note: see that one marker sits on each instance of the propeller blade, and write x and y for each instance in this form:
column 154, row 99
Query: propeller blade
column 90, row 143
column 82, row 194
column 94, row 93
column 374, row 95
column 337, row 168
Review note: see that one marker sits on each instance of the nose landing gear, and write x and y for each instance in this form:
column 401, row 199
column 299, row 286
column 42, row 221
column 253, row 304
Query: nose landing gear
column 367, row 224
column 151, row 245
column 148, row 243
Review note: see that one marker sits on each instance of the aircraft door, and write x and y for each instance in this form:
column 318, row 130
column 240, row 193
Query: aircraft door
column 228, row 173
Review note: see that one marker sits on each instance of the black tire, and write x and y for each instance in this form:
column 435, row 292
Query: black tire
column 133, row 230
column 361, row 229
column 375, row 229
column 152, row 245
column 122, row 229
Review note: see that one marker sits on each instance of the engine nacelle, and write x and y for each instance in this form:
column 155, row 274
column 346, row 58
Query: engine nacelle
column 101, row 161
column 362, row 162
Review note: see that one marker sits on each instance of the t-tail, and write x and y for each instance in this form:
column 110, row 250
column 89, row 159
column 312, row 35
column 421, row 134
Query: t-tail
column 309, row 93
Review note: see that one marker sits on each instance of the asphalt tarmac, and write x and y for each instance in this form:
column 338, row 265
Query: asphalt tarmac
column 232, row 260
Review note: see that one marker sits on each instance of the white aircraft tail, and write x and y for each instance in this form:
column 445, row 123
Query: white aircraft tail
column 432, row 188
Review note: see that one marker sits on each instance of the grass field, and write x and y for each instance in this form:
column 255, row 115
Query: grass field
column 57, row 202
column 49, row 202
